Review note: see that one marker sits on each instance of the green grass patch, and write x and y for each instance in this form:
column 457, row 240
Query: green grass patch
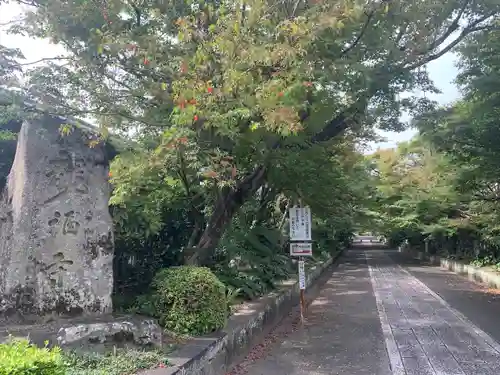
column 119, row 362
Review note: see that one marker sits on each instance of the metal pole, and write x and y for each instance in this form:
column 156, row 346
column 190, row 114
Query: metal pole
column 302, row 297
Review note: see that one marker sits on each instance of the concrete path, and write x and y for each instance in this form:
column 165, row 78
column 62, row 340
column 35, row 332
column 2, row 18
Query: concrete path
column 422, row 332
column 376, row 315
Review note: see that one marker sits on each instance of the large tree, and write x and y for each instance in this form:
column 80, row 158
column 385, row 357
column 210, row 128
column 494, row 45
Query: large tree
column 233, row 86
column 417, row 192
column 468, row 131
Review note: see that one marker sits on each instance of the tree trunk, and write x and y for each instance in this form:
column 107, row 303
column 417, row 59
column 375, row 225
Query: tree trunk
column 229, row 203
column 262, row 213
column 225, row 208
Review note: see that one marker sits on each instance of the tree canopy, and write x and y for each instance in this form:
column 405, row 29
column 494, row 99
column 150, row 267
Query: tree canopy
column 448, row 188
column 230, row 101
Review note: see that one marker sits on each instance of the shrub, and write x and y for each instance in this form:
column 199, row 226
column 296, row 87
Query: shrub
column 187, row 299
column 19, row 357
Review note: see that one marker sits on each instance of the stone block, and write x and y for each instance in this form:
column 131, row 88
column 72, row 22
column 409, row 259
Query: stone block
column 141, row 332
column 56, row 235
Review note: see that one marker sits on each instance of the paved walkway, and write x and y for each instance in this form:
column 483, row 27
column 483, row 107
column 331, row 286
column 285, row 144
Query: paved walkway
column 377, row 315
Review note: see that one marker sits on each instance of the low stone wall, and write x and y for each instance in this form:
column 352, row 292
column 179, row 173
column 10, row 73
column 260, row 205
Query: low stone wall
column 214, row 355
column 488, row 277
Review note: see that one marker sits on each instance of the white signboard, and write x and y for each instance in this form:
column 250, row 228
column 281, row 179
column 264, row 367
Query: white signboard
column 302, row 275
column 301, row 249
column 300, row 224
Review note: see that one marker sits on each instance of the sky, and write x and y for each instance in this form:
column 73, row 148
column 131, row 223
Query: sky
column 442, row 71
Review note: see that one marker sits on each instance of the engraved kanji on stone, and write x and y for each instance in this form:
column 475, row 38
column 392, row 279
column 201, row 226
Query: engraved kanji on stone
column 79, row 177
column 70, row 224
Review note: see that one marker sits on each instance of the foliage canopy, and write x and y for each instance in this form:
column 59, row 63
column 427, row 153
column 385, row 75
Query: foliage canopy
column 226, row 97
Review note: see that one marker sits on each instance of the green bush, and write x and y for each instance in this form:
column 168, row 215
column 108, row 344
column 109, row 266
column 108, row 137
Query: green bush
column 19, row 357
column 187, row 300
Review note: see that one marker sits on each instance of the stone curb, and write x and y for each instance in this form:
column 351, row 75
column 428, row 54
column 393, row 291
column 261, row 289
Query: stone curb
column 487, row 277
column 214, row 355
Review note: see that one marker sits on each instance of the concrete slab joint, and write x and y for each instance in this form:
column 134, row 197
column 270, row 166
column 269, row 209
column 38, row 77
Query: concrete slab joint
column 214, row 355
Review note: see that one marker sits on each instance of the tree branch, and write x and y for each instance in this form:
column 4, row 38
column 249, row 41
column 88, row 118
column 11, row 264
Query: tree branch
column 364, row 28
column 472, row 27
column 485, row 27
column 451, row 29
column 360, row 35
column 29, row 3
column 295, row 7
column 46, row 59
column 401, row 33
column 486, row 199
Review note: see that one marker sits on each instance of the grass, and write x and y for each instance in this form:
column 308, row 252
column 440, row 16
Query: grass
column 120, row 362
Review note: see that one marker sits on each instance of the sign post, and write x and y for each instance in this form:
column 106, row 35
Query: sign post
column 301, row 246
column 302, row 287
column 300, row 249
column 300, row 224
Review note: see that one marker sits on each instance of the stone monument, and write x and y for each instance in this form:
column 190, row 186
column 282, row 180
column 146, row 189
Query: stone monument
column 56, row 235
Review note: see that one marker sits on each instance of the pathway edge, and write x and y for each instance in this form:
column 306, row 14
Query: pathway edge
column 215, row 354
column 477, row 274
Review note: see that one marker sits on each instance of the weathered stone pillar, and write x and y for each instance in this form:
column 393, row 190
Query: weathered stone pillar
column 56, row 237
